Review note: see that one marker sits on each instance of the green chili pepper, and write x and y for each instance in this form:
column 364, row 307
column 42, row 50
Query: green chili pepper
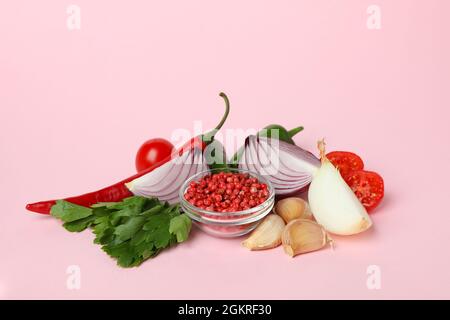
column 214, row 151
column 216, row 156
column 208, row 137
column 271, row 131
column 279, row 132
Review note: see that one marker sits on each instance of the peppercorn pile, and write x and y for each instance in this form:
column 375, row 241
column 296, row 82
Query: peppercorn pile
column 226, row 192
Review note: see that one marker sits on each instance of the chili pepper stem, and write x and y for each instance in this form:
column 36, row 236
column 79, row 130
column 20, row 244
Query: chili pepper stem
column 207, row 137
column 294, row 131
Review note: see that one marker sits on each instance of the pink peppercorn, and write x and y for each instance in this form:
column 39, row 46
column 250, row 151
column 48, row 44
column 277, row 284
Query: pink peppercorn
column 227, row 192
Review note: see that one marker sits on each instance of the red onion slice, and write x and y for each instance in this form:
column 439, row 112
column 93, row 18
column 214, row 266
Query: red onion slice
column 186, row 170
column 163, row 176
column 288, row 167
column 285, row 176
column 165, row 182
column 197, row 165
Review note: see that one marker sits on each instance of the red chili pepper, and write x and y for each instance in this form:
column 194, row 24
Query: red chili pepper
column 113, row 193
column 119, row 191
column 203, row 140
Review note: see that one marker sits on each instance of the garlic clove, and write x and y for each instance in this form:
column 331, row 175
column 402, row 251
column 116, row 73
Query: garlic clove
column 302, row 236
column 267, row 234
column 293, row 208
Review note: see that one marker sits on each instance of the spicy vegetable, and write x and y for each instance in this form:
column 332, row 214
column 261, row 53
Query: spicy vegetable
column 368, row 186
column 333, row 203
column 205, row 139
column 119, row 191
column 152, row 152
column 279, row 132
column 216, row 156
column 130, row 231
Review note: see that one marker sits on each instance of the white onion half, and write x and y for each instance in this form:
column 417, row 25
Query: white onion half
column 334, row 204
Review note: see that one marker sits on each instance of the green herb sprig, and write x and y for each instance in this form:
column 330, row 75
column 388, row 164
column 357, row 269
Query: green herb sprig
column 130, row 231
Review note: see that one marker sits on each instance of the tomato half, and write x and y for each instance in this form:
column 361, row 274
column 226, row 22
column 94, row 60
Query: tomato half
column 345, row 161
column 151, row 152
column 368, row 186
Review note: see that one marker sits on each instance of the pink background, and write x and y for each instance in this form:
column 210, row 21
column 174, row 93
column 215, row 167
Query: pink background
column 76, row 105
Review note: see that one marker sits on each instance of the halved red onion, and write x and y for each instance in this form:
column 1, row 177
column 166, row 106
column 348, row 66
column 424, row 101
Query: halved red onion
column 165, row 181
column 288, row 167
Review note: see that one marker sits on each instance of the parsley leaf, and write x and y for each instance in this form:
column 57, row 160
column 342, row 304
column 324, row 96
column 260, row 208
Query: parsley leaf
column 128, row 229
column 180, row 226
column 69, row 212
column 131, row 231
column 79, row 225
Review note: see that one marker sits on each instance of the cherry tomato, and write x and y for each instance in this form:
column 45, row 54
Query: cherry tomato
column 368, row 186
column 151, row 152
column 345, row 161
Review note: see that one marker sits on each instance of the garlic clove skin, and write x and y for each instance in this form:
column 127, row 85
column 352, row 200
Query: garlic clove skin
column 302, row 236
column 292, row 208
column 267, row 234
column 333, row 203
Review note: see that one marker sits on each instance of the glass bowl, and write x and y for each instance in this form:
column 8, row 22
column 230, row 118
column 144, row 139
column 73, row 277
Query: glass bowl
column 227, row 224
